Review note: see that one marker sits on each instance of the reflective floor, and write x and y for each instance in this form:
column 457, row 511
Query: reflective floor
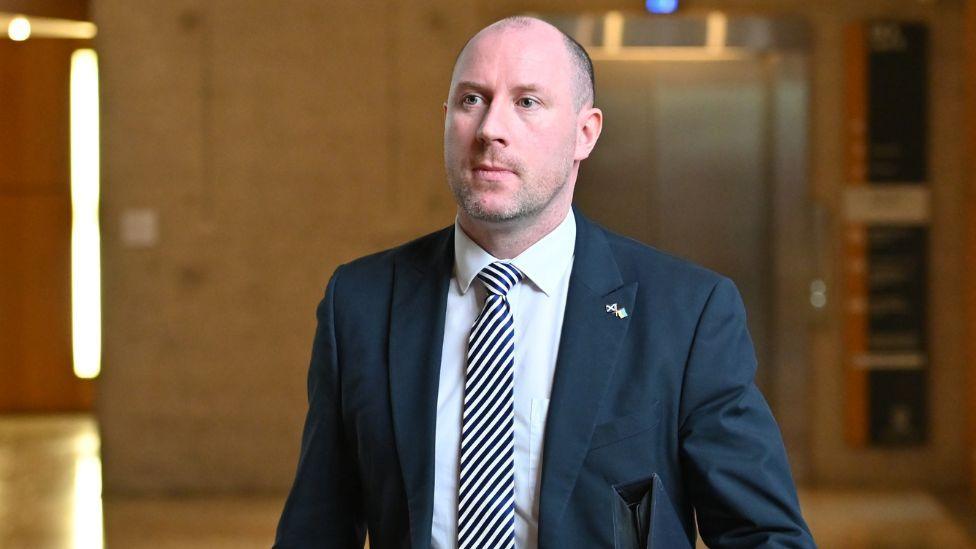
column 50, row 484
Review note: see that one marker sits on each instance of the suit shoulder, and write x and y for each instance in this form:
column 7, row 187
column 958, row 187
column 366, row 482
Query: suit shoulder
column 642, row 261
column 380, row 264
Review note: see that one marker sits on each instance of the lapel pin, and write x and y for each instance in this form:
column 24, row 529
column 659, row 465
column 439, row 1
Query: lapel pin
column 617, row 311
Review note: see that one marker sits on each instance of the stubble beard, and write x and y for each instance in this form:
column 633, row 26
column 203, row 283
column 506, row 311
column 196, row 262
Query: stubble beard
column 532, row 196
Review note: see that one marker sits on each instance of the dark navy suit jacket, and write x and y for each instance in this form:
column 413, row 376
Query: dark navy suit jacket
column 668, row 389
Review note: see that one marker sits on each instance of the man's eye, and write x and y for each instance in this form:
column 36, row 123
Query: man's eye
column 470, row 100
column 527, row 102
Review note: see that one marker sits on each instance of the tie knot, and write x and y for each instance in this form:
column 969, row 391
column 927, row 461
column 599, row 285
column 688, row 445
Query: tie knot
column 500, row 277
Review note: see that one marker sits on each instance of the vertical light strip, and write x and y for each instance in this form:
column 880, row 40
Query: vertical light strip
column 613, row 32
column 86, row 291
column 87, row 530
column 717, row 29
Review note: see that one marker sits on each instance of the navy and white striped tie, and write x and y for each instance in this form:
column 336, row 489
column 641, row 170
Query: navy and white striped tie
column 486, row 497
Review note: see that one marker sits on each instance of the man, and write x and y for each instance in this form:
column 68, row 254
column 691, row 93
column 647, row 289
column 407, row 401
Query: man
column 494, row 384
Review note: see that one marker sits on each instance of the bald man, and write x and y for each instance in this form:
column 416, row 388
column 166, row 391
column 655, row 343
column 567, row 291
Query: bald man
column 526, row 378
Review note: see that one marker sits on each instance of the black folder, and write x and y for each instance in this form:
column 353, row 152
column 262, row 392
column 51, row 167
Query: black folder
column 643, row 517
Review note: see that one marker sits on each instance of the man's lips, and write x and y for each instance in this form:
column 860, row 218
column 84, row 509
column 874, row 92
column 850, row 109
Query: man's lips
column 491, row 173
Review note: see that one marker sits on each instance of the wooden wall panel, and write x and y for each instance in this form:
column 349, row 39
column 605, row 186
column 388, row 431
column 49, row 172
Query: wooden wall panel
column 34, row 151
column 61, row 9
column 970, row 71
column 855, row 239
column 35, row 300
column 35, row 225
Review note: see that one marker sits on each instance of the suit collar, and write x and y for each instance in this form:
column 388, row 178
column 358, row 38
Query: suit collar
column 588, row 348
column 432, row 254
column 420, row 283
column 596, row 266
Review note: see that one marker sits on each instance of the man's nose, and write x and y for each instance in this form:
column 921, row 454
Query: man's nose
column 494, row 125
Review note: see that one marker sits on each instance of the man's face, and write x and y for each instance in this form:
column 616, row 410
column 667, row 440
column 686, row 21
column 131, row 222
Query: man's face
column 511, row 124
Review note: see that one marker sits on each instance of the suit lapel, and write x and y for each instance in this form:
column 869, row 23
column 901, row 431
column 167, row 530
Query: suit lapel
column 588, row 347
column 416, row 335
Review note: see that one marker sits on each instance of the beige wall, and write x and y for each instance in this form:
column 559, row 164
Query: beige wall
column 278, row 139
column 275, row 140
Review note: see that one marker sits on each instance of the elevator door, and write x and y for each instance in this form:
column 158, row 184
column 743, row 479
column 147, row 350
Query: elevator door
column 681, row 165
column 705, row 159
column 704, row 155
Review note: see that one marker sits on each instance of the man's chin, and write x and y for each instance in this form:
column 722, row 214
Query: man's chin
column 494, row 204
column 493, row 213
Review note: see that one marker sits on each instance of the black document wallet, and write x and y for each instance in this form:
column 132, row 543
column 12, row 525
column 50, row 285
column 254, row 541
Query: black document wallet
column 643, row 517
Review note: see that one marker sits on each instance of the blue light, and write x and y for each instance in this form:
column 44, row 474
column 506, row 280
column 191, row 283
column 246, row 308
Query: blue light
column 661, row 6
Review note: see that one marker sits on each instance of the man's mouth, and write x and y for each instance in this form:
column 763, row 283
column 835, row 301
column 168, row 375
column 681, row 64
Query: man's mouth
column 490, row 172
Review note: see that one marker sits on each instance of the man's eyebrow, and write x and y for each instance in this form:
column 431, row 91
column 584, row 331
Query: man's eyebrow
column 471, row 85
column 482, row 88
column 467, row 86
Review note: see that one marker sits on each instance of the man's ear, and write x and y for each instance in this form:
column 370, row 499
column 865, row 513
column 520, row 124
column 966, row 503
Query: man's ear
column 589, row 126
column 445, row 107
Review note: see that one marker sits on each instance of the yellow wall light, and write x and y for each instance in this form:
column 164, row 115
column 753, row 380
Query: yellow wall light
column 86, row 293
column 19, row 28
column 86, row 525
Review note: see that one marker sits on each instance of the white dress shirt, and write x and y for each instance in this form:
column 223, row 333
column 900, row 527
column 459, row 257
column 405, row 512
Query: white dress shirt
column 538, row 303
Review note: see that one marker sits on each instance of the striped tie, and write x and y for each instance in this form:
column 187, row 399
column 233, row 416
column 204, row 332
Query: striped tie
column 486, row 497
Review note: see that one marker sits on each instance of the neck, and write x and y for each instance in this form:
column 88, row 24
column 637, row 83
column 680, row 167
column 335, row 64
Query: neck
column 508, row 239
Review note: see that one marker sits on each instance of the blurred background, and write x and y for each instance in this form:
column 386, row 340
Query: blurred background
column 178, row 179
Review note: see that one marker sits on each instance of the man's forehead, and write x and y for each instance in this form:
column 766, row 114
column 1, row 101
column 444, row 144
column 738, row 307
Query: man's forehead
column 528, row 53
column 530, row 30
column 518, row 62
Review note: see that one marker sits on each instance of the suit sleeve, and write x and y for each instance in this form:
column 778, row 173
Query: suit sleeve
column 735, row 466
column 323, row 508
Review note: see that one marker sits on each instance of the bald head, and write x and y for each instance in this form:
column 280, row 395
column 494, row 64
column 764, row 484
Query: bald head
column 579, row 61
column 518, row 120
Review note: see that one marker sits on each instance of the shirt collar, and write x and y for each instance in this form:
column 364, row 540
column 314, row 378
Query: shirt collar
column 543, row 263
